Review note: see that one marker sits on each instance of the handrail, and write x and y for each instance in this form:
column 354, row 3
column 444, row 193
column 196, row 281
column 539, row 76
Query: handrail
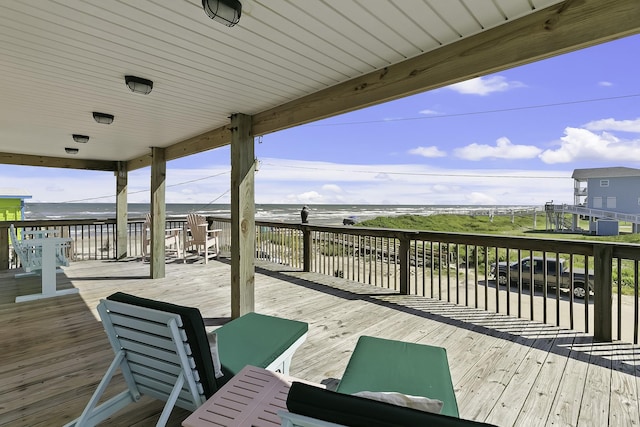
column 597, row 213
column 455, row 267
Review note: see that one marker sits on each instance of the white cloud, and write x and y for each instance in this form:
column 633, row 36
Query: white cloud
column 383, row 176
column 485, row 85
column 477, row 198
column 503, row 149
column 306, row 197
column 605, row 84
column 428, row 152
column 429, row 112
column 54, row 188
column 439, row 188
column 615, row 125
column 299, row 182
column 332, row 188
column 582, row 144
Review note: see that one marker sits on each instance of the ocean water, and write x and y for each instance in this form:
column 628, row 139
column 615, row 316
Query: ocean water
column 318, row 214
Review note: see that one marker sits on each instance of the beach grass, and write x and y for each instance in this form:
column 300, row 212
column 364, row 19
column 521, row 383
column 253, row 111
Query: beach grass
column 506, row 225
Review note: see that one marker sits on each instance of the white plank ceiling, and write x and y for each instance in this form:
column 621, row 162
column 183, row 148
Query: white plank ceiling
column 63, row 59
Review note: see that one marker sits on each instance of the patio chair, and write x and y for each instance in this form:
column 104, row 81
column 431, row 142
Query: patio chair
column 30, row 255
column 380, row 365
column 163, row 351
column 199, row 236
column 172, row 239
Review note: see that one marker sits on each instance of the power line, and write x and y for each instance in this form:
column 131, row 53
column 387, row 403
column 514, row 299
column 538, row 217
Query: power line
column 213, row 201
column 146, row 189
column 464, row 175
column 473, row 113
column 470, row 113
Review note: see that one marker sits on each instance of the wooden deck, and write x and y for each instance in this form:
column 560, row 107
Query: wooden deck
column 506, row 371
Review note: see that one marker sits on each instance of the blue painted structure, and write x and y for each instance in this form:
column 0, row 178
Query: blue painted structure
column 615, row 189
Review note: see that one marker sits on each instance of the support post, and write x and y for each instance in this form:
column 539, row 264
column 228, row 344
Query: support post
column 602, row 304
column 243, row 224
column 306, row 249
column 158, row 211
column 4, row 248
column 403, row 257
column 121, row 211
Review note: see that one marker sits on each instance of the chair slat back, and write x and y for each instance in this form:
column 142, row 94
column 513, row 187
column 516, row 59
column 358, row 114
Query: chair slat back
column 198, row 231
column 30, row 257
column 157, row 351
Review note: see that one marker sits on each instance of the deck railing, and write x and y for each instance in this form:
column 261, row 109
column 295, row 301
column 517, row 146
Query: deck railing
column 453, row 267
column 92, row 239
column 456, row 267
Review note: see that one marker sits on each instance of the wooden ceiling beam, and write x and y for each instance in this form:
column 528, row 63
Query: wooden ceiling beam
column 56, row 162
column 207, row 141
column 559, row 29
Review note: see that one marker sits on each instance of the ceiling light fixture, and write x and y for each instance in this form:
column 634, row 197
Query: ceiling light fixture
column 138, row 84
column 226, row 12
column 82, row 139
column 70, row 150
column 105, row 119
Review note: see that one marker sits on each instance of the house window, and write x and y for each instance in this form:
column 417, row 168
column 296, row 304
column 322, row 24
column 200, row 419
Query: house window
column 597, row 202
column 604, row 183
column 611, row 202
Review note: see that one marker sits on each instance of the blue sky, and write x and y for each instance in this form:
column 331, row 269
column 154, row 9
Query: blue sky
column 510, row 138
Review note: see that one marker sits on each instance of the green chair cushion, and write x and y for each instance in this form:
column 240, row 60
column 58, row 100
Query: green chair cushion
column 386, row 365
column 255, row 339
column 354, row 411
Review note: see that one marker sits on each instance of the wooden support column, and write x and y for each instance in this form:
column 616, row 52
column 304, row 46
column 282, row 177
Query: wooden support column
column 158, row 211
column 122, row 178
column 307, row 249
column 404, row 259
column 4, row 248
column 243, row 226
column 602, row 304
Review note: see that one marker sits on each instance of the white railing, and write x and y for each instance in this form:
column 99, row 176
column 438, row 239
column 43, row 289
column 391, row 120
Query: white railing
column 597, row 213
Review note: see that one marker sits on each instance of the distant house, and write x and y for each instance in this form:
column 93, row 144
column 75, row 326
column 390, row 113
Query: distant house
column 615, row 189
column 606, row 196
column 12, row 204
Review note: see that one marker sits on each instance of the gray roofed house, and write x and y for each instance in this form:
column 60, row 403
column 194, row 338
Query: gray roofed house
column 611, row 193
column 611, row 172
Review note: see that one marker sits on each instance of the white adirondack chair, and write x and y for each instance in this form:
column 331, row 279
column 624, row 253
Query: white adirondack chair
column 198, row 236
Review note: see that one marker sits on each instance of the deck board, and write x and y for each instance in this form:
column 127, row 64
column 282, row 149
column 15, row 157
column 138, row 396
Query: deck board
column 506, row 371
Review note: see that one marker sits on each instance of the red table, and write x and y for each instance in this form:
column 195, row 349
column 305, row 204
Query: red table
column 251, row 398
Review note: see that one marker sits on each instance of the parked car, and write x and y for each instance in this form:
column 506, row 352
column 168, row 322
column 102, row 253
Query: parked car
column 556, row 275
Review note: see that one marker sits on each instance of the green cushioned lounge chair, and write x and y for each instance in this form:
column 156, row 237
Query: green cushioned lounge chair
column 163, row 351
column 380, row 365
column 387, row 365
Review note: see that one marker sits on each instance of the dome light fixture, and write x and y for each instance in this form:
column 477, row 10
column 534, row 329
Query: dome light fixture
column 103, row 118
column 138, row 84
column 82, row 139
column 226, row 12
column 70, row 150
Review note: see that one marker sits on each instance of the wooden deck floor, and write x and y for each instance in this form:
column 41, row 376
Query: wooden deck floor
column 506, row 371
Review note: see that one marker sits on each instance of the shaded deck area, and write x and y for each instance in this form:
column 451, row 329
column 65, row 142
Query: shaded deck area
column 505, row 370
